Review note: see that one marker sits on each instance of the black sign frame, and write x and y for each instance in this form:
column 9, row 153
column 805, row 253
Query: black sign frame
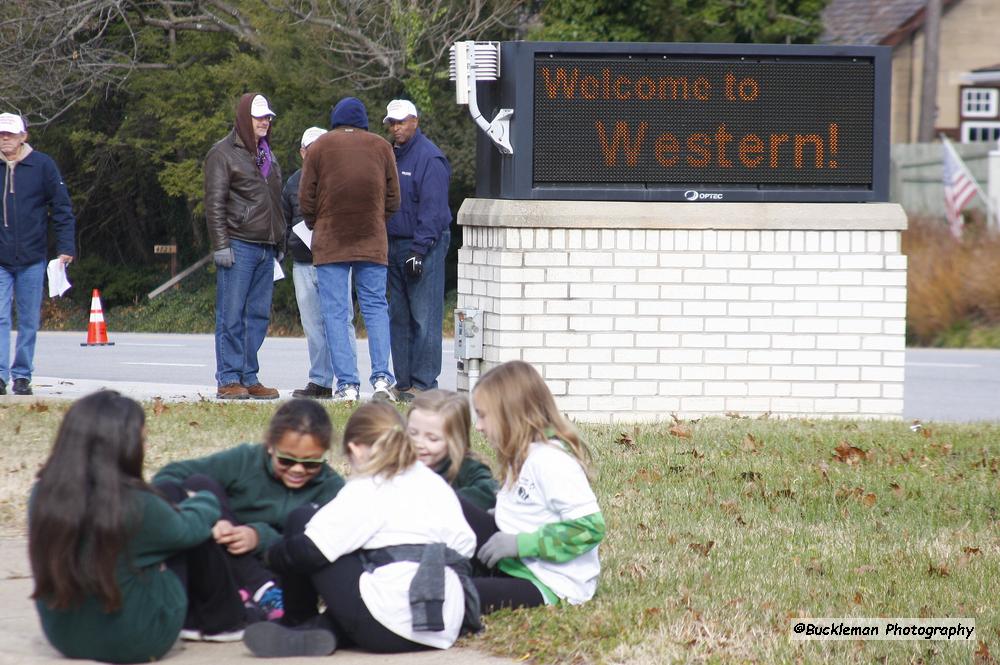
column 512, row 176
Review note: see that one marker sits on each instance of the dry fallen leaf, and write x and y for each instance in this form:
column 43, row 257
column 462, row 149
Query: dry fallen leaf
column 982, row 655
column 158, row 406
column 702, row 548
column 896, row 489
column 38, row 407
column 680, row 430
column 869, row 499
column 939, row 570
column 751, row 444
column 849, row 454
column 858, row 598
column 971, row 550
column 626, row 441
column 730, row 507
column 824, row 469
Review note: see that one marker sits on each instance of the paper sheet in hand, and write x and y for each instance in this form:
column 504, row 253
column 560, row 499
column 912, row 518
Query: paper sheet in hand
column 58, row 281
column 278, row 272
column 304, row 233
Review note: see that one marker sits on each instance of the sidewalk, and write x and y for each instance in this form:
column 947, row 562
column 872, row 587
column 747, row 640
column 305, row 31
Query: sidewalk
column 22, row 642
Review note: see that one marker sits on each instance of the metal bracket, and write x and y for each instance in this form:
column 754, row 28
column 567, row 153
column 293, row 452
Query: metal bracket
column 497, row 129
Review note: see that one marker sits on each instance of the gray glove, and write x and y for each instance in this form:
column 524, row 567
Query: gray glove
column 224, row 258
column 500, row 546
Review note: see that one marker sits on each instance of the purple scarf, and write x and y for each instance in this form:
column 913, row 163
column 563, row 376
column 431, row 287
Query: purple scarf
column 263, row 157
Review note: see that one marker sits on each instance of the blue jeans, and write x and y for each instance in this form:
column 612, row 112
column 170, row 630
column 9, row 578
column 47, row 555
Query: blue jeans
column 242, row 312
column 334, row 287
column 416, row 308
column 21, row 285
column 311, row 315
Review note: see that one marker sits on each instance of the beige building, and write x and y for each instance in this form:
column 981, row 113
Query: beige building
column 968, row 89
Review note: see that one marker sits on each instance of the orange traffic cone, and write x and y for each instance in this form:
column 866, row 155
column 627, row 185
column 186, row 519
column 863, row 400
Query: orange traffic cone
column 97, row 331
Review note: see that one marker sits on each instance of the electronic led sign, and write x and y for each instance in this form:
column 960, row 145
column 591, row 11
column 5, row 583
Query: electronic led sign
column 691, row 122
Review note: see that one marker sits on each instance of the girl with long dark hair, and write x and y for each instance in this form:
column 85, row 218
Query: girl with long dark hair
column 100, row 541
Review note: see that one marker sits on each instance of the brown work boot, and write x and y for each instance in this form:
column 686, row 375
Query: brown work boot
column 260, row 391
column 232, row 391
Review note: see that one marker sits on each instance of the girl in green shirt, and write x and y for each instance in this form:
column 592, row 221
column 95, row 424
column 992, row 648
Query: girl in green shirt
column 110, row 558
column 438, row 424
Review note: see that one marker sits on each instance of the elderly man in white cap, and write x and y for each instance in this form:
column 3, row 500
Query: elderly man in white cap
column 419, row 236
column 321, row 376
column 247, row 232
column 33, row 196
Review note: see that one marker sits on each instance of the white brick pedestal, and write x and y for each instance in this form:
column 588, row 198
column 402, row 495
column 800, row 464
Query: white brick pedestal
column 633, row 311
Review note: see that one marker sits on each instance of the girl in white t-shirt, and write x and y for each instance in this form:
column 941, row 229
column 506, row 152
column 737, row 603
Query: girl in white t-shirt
column 541, row 543
column 389, row 555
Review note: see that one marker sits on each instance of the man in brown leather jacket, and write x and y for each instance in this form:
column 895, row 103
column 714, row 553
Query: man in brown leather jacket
column 247, row 230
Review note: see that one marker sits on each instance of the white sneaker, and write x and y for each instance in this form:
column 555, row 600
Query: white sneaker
column 383, row 390
column 190, row 635
column 346, row 394
column 228, row 636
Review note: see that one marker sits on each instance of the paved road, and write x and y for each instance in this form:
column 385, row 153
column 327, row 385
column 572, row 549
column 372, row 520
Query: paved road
column 176, row 367
column 955, row 385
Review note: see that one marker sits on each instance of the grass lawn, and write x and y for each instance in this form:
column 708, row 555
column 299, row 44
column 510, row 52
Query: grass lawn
column 719, row 531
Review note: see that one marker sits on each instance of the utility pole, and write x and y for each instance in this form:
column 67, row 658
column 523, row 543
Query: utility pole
column 929, row 75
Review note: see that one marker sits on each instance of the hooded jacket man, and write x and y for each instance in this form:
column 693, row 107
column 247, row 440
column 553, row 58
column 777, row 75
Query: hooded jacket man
column 247, row 229
column 347, row 190
column 33, row 196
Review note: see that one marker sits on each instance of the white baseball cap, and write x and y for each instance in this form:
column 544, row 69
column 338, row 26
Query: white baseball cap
column 12, row 123
column 399, row 109
column 311, row 135
column 259, row 107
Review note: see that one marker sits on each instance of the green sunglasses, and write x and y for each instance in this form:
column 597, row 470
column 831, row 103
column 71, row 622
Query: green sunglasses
column 287, row 461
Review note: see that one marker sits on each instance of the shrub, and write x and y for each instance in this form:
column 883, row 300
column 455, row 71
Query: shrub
column 953, row 287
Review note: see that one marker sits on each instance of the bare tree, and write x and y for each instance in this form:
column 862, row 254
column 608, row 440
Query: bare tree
column 64, row 50
column 61, row 53
column 374, row 43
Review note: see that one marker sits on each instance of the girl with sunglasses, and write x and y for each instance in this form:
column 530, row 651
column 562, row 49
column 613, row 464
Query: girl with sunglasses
column 389, row 556
column 258, row 485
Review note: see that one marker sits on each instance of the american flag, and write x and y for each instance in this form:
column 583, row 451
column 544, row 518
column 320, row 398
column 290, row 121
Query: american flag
column 959, row 188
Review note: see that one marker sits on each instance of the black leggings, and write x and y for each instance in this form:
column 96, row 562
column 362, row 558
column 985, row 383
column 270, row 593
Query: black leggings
column 337, row 583
column 247, row 569
column 214, row 603
column 496, row 588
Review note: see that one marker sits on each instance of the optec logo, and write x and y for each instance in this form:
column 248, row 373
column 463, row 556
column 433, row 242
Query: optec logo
column 692, row 195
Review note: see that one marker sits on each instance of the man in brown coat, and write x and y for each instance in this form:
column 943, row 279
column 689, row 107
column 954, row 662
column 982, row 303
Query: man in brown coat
column 348, row 189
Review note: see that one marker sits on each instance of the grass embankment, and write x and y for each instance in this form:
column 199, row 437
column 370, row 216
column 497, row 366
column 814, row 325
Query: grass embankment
column 719, row 531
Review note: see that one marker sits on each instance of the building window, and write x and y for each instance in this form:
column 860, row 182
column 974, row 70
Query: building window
column 979, row 132
column 980, row 102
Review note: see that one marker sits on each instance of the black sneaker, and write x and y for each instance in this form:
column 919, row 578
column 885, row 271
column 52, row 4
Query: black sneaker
column 22, row 387
column 3, row 387
column 313, row 391
column 270, row 639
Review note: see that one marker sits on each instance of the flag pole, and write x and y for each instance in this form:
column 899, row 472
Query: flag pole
column 990, row 212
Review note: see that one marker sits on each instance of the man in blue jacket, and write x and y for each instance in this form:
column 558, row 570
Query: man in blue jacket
column 33, row 195
column 419, row 236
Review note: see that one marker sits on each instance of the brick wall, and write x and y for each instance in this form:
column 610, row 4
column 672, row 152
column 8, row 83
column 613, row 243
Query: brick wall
column 634, row 311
